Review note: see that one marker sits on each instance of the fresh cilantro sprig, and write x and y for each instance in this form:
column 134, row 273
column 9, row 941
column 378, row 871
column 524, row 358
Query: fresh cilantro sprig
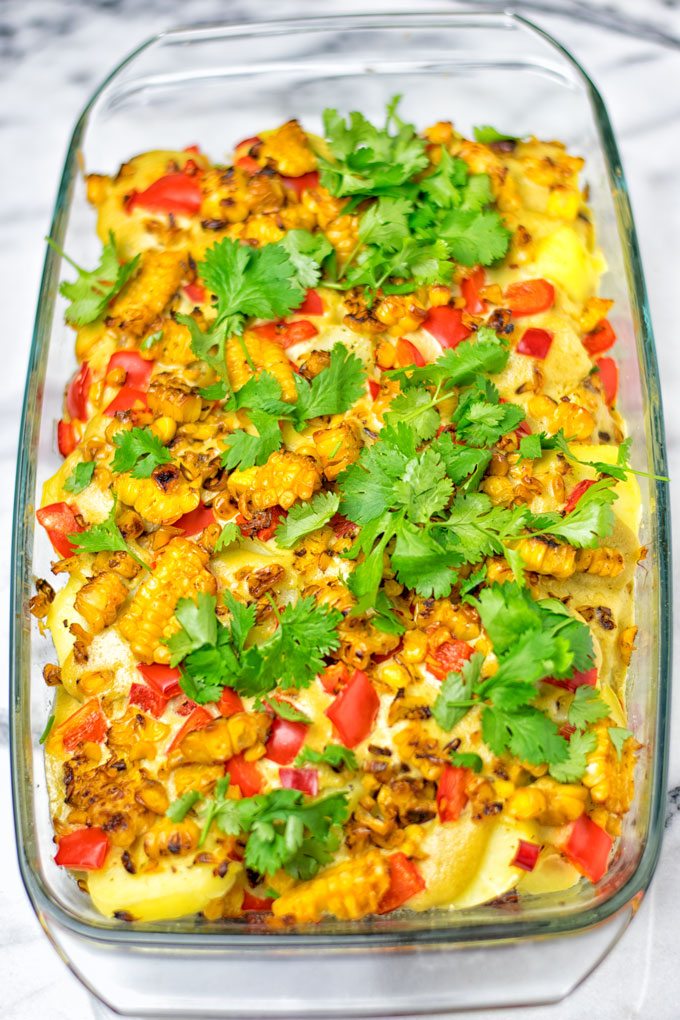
column 303, row 518
column 138, row 451
column 104, row 537
column 283, row 709
column 229, row 534
column 181, row 806
column 92, row 291
column 336, row 756
column 80, row 477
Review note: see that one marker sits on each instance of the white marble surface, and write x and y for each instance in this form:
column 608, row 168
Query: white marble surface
column 52, row 53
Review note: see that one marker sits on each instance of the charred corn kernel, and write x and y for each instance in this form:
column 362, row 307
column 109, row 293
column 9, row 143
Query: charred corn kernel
column 627, row 643
column 152, row 795
column 348, row 891
column 461, row 620
column 95, row 681
column 499, row 490
column 264, row 356
column 526, row 803
column 146, row 296
column 285, row 478
column 503, row 788
column 337, row 447
column 288, row 149
column 171, row 398
column 608, row 777
column 258, row 229
column 174, row 345
column 180, row 572
column 120, row 562
column 99, row 600
column 385, row 355
column 594, row 310
column 545, row 556
column 563, row 203
column 161, row 499
column 440, row 133
column 167, row 838
column 196, row 777
column 415, row 646
column 343, row 234
column 483, row 645
column 499, row 464
column 437, row 296
column 223, row 738
column 401, row 313
column 603, row 562
column 91, row 751
column 393, row 674
column 542, row 406
column 565, row 802
column 575, row 421
column 164, row 427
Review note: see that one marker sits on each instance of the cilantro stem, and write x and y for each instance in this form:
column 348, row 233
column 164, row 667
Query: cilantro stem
column 60, row 251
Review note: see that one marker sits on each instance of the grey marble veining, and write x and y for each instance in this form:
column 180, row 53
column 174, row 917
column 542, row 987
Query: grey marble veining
column 52, row 54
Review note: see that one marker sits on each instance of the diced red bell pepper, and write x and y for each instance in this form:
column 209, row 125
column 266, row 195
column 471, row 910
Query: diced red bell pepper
column 248, row 143
column 245, row 775
column 588, row 848
column 185, row 706
column 147, row 699
column 259, row 904
column 229, row 703
column 198, row 720
column 303, row 182
column 526, row 856
column 305, row 780
column 408, row 354
column 567, row 731
column 374, row 389
column 535, row 343
column 452, row 792
column 278, row 514
column 173, row 193
column 66, row 440
column 342, row 526
column 88, row 723
column 287, row 333
column 195, row 149
column 59, row 521
column 83, row 849
column 250, row 165
column 579, row 678
column 285, row 740
column 445, row 324
column 470, row 288
column 163, row 679
column 334, row 677
column 137, row 369
column 195, row 292
column 76, row 394
column 600, row 339
column 405, row 882
column 126, row 399
column 354, row 710
column 609, row 376
column 528, row 297
column 576, row 494
column 196, row 520
column 312, row 305
column 450, row 657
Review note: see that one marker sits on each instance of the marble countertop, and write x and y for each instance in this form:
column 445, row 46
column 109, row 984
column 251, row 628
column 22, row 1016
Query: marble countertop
column 52, row 54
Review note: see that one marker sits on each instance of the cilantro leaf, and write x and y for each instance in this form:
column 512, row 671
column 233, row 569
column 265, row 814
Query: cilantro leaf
column 526, row 732
column 303, row 518
column 138, row 451
column 587, row 707
column 475, row 528
column 422, row 564
column 262, row 392
column 307, row 632
column 385, row 223
column 591, row 519
column 572, row 768
column 459, row 366
column 443, row 186
column 333, row 390
column 80, row 477
column 180, row 807
column 530, row 446
column 473, row 237
column 244, row 450
column 282, row 708
column 306, row 252
column 467, row 760
column 414, row 408
column 229, row 534
column 336, row 756
column 618, row 736
column 104, row 537
column 460, row 461
column 198, row 626
column 454, row 700
column 208, row 346
column 92, row 291
column 486, row 134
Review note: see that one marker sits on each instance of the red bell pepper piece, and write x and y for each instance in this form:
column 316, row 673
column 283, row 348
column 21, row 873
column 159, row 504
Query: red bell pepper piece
column 579, row 678
column 303, row 182
column 609, row 376
column 342, row 526
column 196, row 520
column 250, row 165
column 287, row 333
column 452, row 792
column 245, row 775
column 59, row 521
column 305, row 780
column 255, row 903
column 147, row 699
column 185, row 706
column 198, row 720
column 248, row 143
column 285, row 740
column 526, row 856
column 88, row 723
column 528, row 297
column 195, row 149
column 137, row 369
column 195, row 292
column 405, row 882
column 374, row 389
column 163, row 679
column 76, row 394
column 470, row 288
column 173, row 193
column 600, row 339
column 535, row 343
column 312, row 305
column 588, row 848
column 83, row 849
column 576, row 494
column 229, row 703
column 334, row 677
column 408, row 354
column 66, row 440
column 277, row 515
column 354, row 710
column 450, row 657
column 445, row 324
column 126, row 399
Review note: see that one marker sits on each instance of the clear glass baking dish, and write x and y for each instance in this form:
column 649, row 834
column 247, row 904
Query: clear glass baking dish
column 213, row 86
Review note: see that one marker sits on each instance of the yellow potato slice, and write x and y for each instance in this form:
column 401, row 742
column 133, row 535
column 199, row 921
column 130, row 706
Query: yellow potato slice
column 563, row 257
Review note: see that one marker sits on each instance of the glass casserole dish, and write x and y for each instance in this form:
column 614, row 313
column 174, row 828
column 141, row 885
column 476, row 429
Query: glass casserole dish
column 173, row 92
